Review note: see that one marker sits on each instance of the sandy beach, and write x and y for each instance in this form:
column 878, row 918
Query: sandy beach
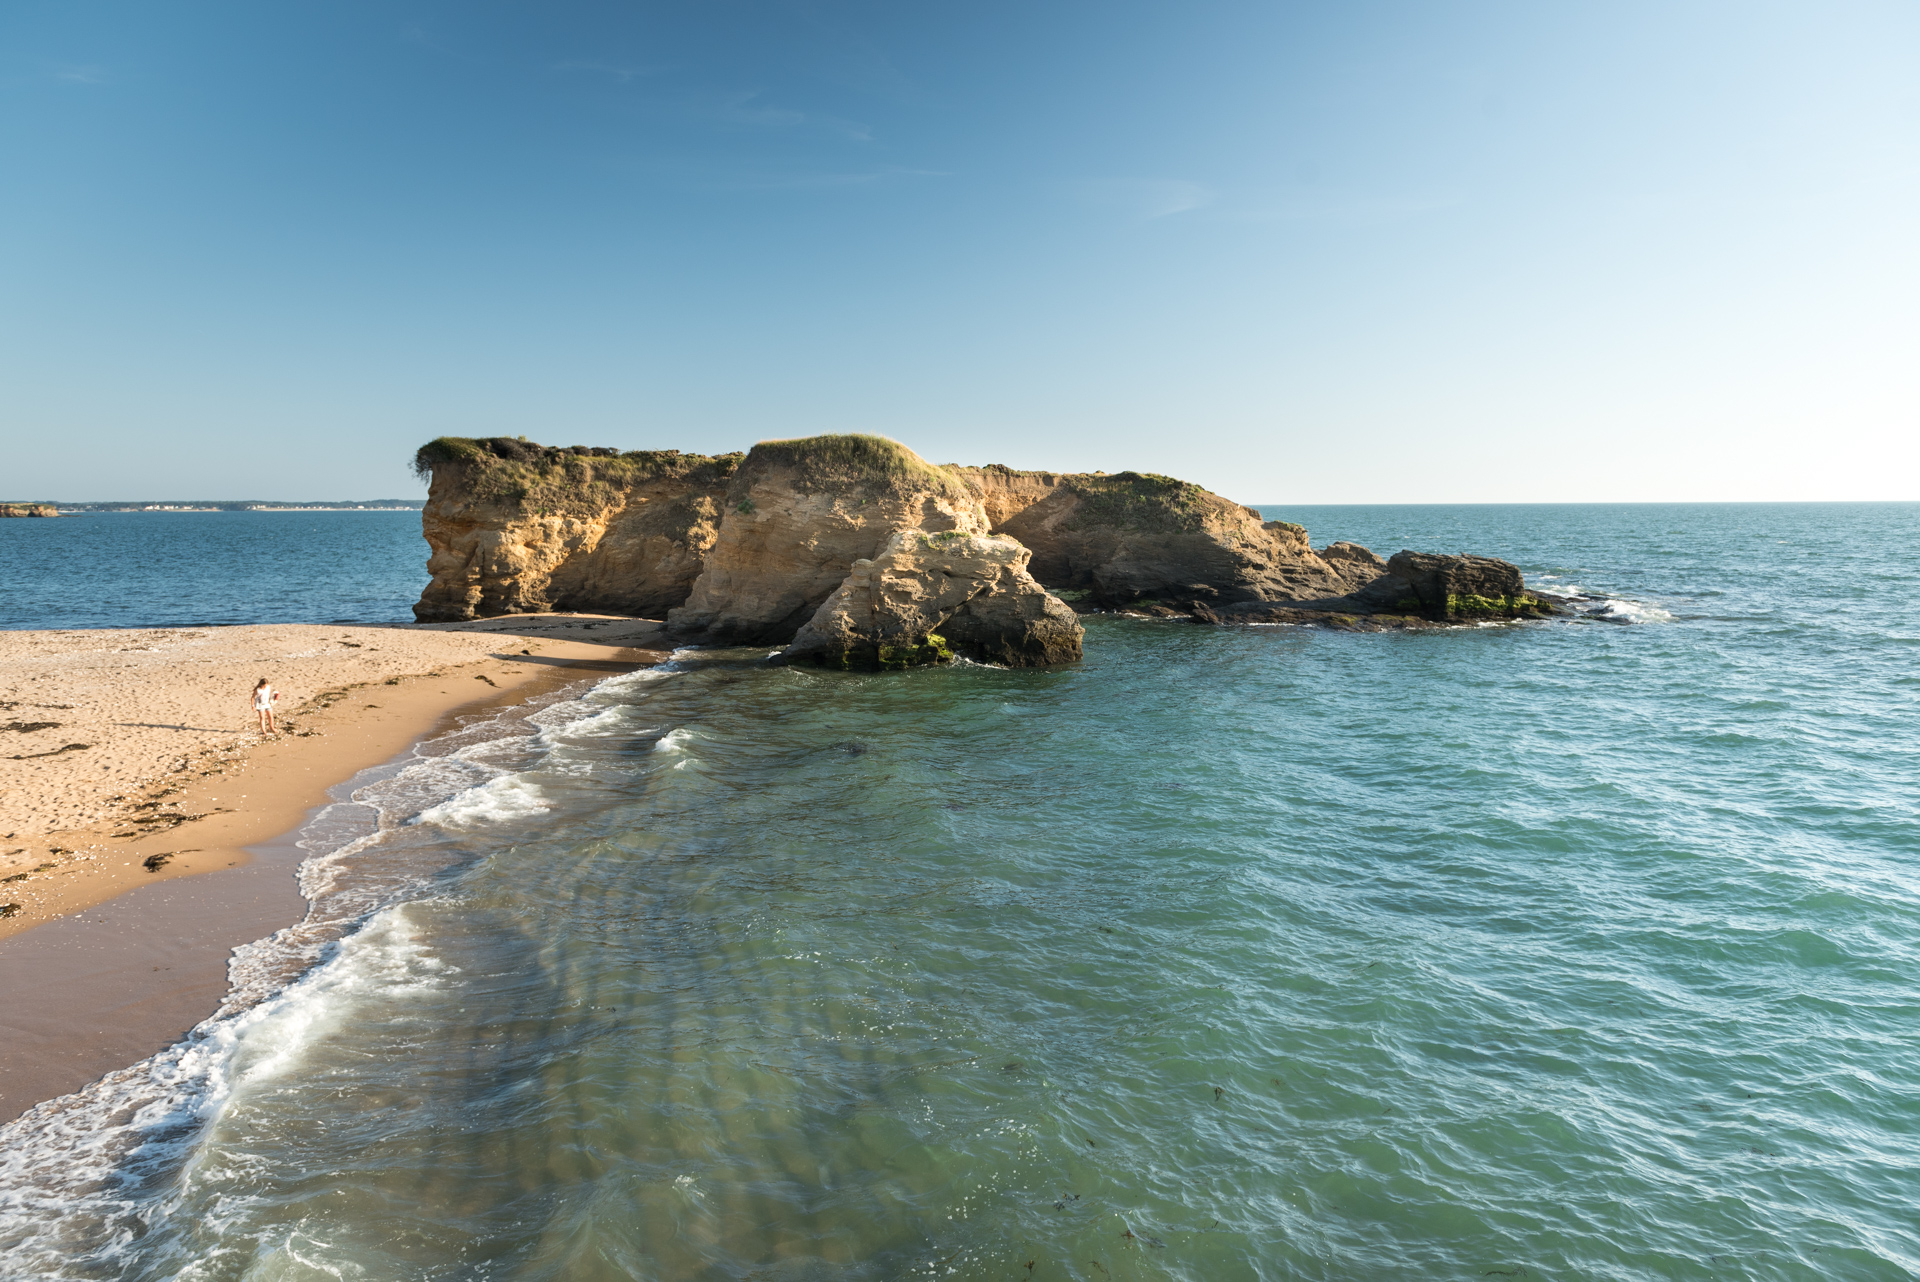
column 130, row 760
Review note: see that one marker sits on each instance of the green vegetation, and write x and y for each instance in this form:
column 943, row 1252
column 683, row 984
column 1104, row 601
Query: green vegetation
column 943, row 538
column 547, row 480
column 898, row 658
column 745, row 507
column 890, row 658
column 1138, row 500
column 1467, row 606
column 837, row 461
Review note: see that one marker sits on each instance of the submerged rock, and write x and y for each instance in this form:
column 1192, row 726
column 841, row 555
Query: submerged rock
column 931, row 596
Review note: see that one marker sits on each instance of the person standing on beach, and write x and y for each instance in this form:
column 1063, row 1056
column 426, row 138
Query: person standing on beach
column 263, row 697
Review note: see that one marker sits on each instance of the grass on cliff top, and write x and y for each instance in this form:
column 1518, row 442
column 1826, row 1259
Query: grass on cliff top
column 855, row 458
column 553, row 481
column 1141, row 501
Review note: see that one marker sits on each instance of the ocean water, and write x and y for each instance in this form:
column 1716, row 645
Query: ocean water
column 1584, row 948
column 191, row 569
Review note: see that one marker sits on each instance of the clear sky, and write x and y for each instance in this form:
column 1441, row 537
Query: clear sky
column 1322, row 252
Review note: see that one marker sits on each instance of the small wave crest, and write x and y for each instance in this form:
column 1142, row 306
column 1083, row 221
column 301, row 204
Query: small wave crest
column 495, row 801
column 1621, row 610
column 675, row 740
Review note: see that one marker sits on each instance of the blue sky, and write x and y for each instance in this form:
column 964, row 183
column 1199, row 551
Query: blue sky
column 1298, row 253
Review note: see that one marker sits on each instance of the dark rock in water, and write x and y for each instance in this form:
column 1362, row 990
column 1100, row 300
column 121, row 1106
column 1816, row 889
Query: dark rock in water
column 1460, row 587
column 1413, row 590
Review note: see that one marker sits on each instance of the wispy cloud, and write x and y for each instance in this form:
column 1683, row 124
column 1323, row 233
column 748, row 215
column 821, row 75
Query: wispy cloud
column 81, row 75
column 748, row 110
column 1146, row 198
column 610, row 70
column 1343, row 207
column 768, row 177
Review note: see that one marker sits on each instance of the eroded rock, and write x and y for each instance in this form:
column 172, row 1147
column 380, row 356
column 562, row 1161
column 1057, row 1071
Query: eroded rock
column 1354, row 565
column 1137, row 539
column 798, row 515
column 1460, row 587
column 930, row 596
column 518, row 528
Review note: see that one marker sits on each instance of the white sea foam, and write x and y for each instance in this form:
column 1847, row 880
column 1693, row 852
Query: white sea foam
column 72, row 1170
column 496, row 801
column 1620, row 610
column 675, row 740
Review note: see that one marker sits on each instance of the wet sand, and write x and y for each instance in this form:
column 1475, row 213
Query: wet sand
column 106, row 962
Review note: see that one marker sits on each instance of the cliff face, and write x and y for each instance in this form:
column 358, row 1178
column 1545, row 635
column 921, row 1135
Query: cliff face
column 28, row 509
column 855, row 551
column 927, row 597
column 1134, row 538
column 519, row 528
column 797, row 516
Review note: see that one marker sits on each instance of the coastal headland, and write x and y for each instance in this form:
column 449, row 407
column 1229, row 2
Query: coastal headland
column 852, row 551
column 129, row 760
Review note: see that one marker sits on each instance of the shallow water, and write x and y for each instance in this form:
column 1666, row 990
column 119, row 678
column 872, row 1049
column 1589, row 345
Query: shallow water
column 1565, row 950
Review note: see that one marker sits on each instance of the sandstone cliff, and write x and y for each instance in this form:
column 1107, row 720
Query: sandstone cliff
column 853, row 550
column 28, row 509
column 1134, row 538
column 859, row 553
column 520, row 528
column 927, row 597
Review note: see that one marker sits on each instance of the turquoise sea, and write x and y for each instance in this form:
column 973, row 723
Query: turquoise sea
column 1578, row 949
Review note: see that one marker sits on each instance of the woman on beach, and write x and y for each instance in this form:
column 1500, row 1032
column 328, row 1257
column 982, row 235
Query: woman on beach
column 263, row 697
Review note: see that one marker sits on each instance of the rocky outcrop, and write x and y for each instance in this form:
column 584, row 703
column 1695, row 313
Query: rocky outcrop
column 1354, row 565
column 1136, row 538
column 796, row 518
column 1416, row 589
column 520, row 528
column 855, row 551
column 28, row 509
column 928, row 597
column 1456, row 587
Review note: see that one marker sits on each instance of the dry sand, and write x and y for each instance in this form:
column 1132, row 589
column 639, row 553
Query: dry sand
column 124, row 748
column 108, row 962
